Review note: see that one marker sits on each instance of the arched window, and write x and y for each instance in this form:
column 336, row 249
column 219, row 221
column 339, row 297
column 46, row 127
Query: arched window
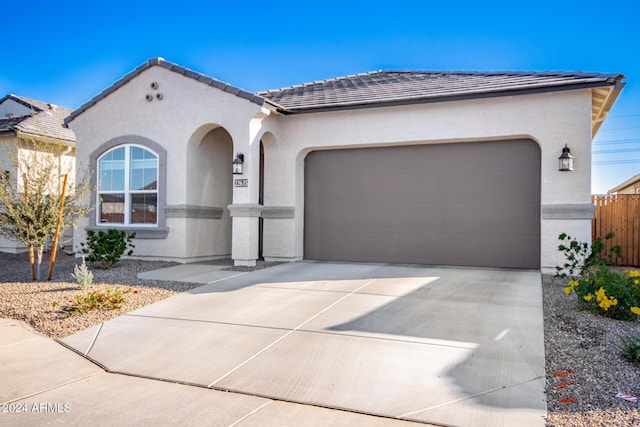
column 128, row 186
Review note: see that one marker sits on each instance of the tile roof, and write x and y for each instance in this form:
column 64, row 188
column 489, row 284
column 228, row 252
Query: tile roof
column 6, row 124
column 401, row 87
column 46, row 120
column 383, row 87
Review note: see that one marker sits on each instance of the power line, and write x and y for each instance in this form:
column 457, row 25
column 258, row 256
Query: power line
column 619, row 150
column 623, row 115
column 615, row 162
column 624, row 128
column 618, row 141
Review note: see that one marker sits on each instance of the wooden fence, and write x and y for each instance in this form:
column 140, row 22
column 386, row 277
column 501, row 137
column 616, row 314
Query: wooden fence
column 619, row 214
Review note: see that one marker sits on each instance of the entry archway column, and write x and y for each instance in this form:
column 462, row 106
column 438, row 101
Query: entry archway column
column 244, row 246
column 245, row 210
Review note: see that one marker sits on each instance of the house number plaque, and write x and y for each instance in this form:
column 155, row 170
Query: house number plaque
column 240, row 182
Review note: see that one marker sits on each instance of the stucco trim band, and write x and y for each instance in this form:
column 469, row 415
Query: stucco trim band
column 278, row 212
column 193, row 211
column 141, row 232
column 568, row 211
column 249, row 210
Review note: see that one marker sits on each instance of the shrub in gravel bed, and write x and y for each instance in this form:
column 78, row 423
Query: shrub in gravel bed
column 608, row 293
column 105, row 248
column 600, row 289
column 109, row 299
column 631, row 348
column 83, row 276
column 42, row 304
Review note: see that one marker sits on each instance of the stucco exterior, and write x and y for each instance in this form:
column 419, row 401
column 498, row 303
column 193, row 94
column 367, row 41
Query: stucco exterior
column 200, row 128
column 551, row 120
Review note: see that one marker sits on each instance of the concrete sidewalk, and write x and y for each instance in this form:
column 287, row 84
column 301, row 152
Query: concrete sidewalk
column 43, row 383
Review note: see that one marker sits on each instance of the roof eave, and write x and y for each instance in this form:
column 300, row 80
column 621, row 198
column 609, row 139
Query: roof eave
column 45, row 138
column 21, row 102
column 630, row 181
column 451, row 97
column 614, row 91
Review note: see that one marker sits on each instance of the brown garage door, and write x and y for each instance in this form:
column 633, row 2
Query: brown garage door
column 467, row 204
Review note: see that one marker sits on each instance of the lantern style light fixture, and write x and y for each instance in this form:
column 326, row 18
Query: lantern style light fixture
column 565, row 160
column 237, row 164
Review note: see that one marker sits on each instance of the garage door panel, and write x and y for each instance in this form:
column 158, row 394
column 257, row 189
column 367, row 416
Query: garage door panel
column 455, row 204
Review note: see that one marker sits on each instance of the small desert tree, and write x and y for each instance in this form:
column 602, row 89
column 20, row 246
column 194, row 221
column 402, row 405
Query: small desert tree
column 30, row 200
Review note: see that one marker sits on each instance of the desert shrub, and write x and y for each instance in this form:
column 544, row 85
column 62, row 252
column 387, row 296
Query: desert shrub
column 599, row 289
column 107, row 247
column 608, row 293
column 630, row 346
column 580, row 256
column 83, row 276
column 110, row 299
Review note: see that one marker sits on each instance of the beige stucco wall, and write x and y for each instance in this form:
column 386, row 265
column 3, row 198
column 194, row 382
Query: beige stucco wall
column 549, row 119
column 631, row 189
column 8, row 143
column 179, row 123
column 189, row 110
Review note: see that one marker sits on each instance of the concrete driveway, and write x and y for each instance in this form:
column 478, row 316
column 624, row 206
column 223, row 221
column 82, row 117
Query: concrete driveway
column 446, row 346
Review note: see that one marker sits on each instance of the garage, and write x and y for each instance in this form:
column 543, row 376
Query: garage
column 464, row 204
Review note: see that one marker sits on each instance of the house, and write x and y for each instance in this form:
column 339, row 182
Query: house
column 444, row 168
column 630, row 186
column 25, row 125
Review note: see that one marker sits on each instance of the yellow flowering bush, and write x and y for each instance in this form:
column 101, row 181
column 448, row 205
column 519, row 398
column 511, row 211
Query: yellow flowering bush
column 607, row 292
column 571, row 286
column 599, row 289
column 605, row 302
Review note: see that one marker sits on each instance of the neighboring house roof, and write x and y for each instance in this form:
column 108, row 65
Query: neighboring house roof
column 6, row 124
column 382, row 88
column 633, row 180
column 46, row 120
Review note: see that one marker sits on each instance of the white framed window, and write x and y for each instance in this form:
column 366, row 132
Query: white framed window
column 127, row 186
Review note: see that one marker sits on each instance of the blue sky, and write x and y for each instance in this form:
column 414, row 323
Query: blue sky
column 67, row 52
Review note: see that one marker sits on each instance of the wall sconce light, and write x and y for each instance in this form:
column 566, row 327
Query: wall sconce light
column 237, row 164
column 565, row 160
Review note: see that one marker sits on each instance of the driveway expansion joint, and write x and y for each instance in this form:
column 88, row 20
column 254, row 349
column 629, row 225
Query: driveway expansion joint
column 57, row 386
column 291, row 332
column 471, row 396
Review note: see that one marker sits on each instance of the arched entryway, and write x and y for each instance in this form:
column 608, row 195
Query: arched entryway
column 209, row 191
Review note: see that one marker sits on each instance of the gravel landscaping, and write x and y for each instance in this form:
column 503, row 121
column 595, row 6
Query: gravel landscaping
column 42, row 304
column 584, row 369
